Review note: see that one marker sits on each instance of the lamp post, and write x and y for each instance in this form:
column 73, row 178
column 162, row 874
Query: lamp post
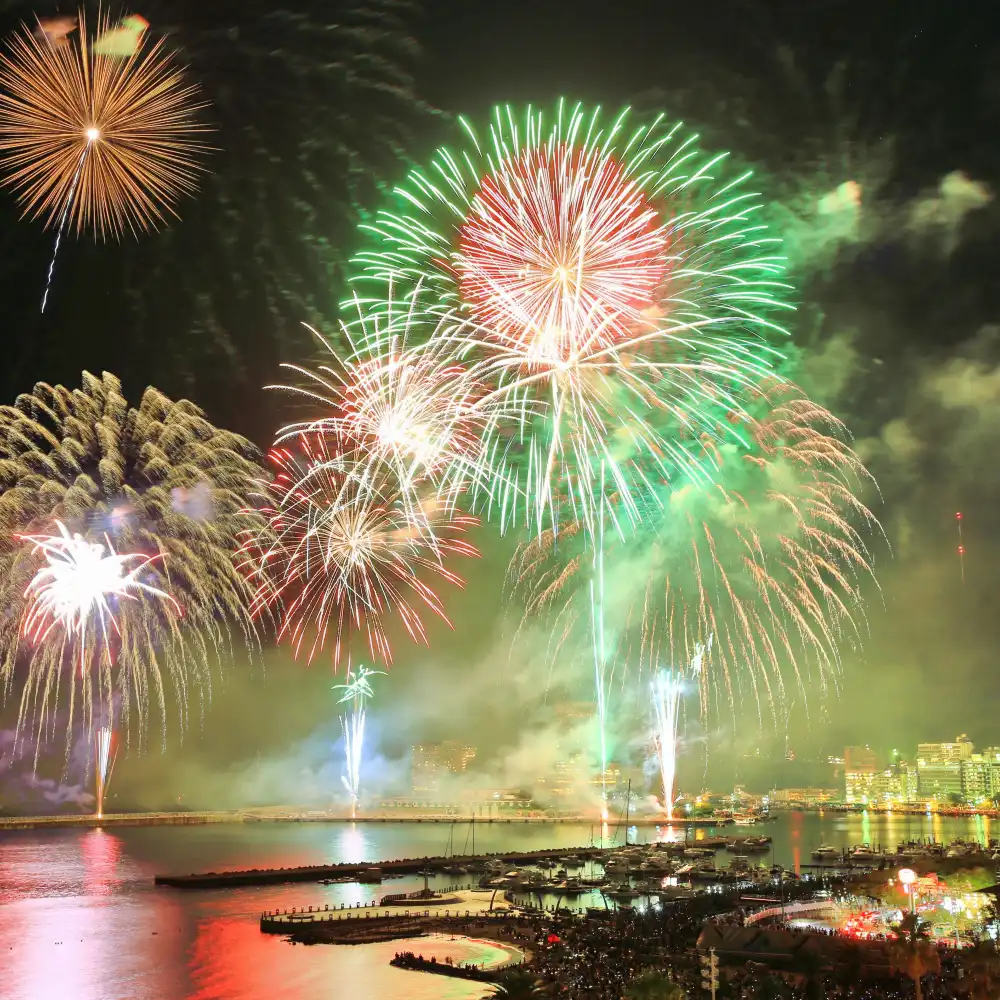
column 907, row 876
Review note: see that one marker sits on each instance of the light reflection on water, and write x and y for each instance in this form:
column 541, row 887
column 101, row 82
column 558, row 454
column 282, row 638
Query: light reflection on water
column 80, row 918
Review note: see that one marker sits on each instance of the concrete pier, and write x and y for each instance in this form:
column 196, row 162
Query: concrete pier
column 402, row 866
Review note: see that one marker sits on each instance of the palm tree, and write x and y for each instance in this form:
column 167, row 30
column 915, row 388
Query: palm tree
column 914, row 954
column 518, row 984
column 654, row 986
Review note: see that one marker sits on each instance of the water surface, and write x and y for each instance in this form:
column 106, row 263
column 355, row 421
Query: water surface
column 80, row 918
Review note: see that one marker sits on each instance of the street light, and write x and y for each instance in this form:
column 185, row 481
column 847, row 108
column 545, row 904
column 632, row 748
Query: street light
column 907, row 876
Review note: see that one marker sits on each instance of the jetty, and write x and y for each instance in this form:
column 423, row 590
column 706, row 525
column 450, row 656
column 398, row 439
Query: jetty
column 474, row 913
column 371, row 871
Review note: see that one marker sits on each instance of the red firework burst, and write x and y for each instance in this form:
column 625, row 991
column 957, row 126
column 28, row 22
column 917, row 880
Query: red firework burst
column 561, row 252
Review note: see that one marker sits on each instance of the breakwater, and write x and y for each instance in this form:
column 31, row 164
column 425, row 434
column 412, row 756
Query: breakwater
column 365, row 870
column 372, row 923
column 118, row 819
column 417, row 963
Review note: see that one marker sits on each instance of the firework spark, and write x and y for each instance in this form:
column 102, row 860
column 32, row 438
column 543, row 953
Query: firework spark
column 770, row 561
column 108, row 143
column 343, row 550
column 355, row 693
column 619, row 295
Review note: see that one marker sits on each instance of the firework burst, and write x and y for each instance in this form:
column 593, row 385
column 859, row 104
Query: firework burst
column 667, row 689
column 344, row 550
column 400, row 399
column 156, row 481
column 620, row 292
column 73, row 592
column 107, row 142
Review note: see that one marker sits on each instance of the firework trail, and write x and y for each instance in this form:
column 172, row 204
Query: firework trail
column 119, row 585
column 356, row 693
column 103, row 765
column 343, row 550
column 961, row 546
column 667, row 689
column 620, row 293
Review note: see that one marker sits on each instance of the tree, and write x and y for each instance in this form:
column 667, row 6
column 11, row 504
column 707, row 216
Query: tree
column 913, row 953
column 654, row 986
column 982, row 969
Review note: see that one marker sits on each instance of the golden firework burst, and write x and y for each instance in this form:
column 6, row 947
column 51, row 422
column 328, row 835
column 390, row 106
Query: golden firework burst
column 97, row 136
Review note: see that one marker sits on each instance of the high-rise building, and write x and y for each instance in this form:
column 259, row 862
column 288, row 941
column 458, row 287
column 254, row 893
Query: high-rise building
column 895, row 785
column 568, row 775
column 571, row 713
column 425, row 768
column 430, row 762
column 981, row 776
column 456, row 757
column 939, row 768
column 860, row 771
column 611, row 778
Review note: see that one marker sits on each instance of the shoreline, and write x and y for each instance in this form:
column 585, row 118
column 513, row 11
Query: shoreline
column 201, row 818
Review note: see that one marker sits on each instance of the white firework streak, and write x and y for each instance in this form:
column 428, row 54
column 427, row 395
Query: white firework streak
column 104, row 765
column 668, row 686
column 356, row 693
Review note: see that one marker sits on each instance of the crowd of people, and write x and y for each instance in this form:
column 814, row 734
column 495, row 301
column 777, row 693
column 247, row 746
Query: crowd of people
column 600, row 958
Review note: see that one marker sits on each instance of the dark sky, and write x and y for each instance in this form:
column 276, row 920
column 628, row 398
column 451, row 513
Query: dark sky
column 899, row 322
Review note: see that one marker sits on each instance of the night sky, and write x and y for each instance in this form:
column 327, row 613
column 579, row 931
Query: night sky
column 317, row 107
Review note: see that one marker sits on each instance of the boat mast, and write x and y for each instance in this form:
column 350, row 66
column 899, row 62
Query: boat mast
column 628, row 797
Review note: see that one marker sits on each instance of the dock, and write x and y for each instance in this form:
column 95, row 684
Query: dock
column 365, row 869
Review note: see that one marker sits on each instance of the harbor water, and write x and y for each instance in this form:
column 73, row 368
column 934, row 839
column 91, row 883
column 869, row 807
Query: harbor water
column 81, row 918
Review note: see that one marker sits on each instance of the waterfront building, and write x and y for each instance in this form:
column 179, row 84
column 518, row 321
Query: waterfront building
column 789, row 798
column 981, row 776
column 939, row 769
column 611, row 778
column 569, row 775
column 895, row 785
column 860, row 772
column 456, row 757
column 431, row 762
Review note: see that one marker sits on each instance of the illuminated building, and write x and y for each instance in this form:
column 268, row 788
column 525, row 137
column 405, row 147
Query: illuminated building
column 456, row 757
column 981, row 776
column 568, row 775
column 791, row 797
column 570, row 713
column 611, row 778
column 432, row 761
column 860, row 771
column 425, row 768
column 939, row 768
column 895, row 785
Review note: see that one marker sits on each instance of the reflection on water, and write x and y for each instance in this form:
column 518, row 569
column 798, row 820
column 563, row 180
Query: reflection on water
column 80, row 918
